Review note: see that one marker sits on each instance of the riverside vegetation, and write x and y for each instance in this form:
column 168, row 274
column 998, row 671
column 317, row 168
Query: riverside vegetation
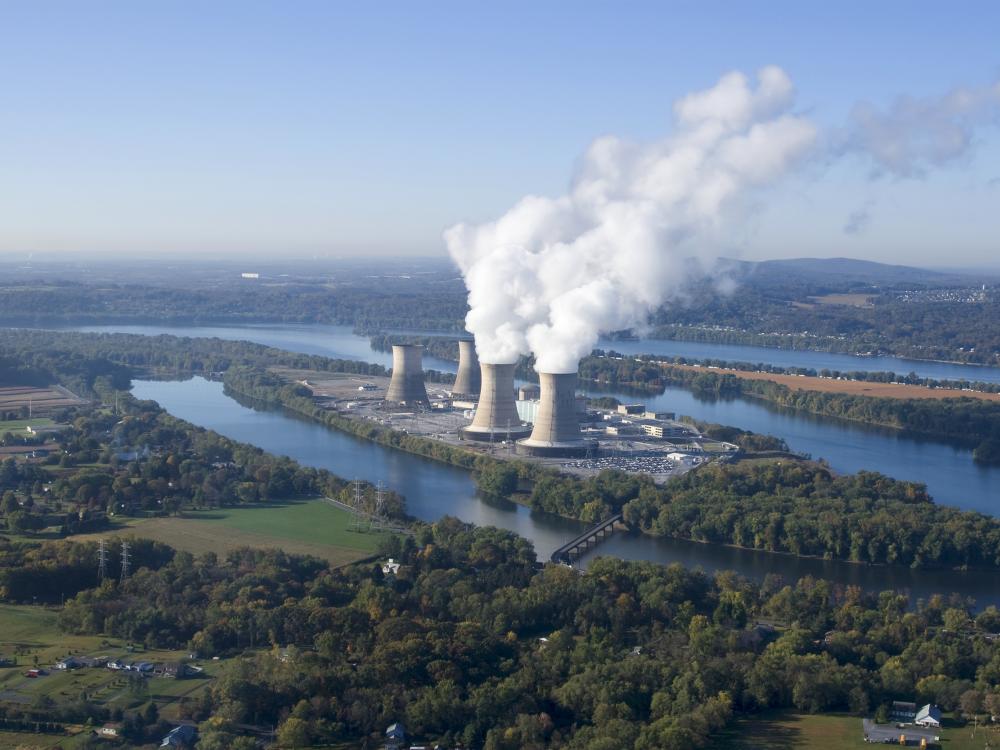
column 792, row 507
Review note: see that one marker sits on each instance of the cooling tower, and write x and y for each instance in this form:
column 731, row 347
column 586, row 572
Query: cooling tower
column 407, row 384
column 557, row 424
column 468, row 380
column 496, row 415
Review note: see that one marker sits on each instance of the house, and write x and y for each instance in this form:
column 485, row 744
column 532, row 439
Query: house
column 69, row 662
column 903, row 711
column 180, row 736
column 175, row 669
column 111, row 729
column 395, row 736
column 928, row 716
column 390, row 567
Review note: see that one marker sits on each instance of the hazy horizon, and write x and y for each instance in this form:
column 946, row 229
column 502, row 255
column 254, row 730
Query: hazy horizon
column 247, row 130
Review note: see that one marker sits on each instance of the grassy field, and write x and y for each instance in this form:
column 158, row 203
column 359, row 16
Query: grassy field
column 18, row 426
column 313, row 527
column 791, row 731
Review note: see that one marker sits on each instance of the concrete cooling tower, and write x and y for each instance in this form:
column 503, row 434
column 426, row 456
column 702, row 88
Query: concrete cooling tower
column 407, row 384
column 468, row 379
column 557, row 424
column 496, row 415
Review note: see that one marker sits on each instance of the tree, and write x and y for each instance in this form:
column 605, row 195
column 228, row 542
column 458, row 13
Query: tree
column 294, row 732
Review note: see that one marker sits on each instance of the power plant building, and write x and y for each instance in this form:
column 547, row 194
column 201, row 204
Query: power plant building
column 406, row 386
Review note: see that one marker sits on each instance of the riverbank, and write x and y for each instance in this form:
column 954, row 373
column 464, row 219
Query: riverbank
column 862, row 518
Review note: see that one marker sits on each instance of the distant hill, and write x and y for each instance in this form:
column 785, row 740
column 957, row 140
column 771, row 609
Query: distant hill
column 848, row 272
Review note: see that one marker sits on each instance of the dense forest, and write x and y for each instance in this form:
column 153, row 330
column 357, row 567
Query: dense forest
column 432, row 304
column 468, row 643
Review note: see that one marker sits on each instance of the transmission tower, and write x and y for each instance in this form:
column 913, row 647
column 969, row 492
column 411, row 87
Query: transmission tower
column 102, row 560
column 125, row 561
column 376, row 519
column 356, row 505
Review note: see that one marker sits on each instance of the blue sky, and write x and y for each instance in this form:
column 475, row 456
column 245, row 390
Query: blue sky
column 322, row 127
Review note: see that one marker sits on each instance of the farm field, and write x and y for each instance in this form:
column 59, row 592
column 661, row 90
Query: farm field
column 785, row 730
column 853, row 387
column 13, row 397
column 312, row 527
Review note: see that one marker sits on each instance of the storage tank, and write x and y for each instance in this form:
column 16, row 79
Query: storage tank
column 407, row 383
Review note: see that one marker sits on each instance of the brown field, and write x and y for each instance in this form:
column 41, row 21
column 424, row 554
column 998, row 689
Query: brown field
column 13, row 397
column 844, row 300
column 853, row 387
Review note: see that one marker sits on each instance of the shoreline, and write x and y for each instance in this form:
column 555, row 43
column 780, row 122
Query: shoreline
column 638, row 530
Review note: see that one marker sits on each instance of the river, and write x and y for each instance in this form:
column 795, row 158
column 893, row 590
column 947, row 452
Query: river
column 949, row 472
column 433, row 490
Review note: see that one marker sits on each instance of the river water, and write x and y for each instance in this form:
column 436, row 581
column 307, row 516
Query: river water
column 949, row 472
column 433, row 490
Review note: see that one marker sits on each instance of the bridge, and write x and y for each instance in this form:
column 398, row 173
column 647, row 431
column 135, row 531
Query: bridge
column 591, row 537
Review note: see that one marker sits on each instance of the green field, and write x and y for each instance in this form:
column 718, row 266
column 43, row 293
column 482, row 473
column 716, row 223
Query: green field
column 312, row 527
column 784, row 730
column 18, row 426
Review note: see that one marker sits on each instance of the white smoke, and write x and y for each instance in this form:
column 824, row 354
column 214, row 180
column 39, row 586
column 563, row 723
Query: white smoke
column 552, row 274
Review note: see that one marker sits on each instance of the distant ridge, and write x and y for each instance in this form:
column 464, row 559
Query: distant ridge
column 852, row 270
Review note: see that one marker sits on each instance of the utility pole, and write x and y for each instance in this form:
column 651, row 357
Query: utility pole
column 102, row 560
column 125, row 561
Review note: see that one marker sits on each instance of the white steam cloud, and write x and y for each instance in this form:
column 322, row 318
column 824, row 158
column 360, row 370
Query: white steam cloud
column 915, row 134
column 552, row 274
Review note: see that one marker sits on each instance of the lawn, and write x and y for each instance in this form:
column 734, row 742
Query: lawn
column 18, row 426
column 784, row 730
column 312, row 527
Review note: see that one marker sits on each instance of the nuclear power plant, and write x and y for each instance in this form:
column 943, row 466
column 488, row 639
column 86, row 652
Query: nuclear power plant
column 496, row 414
column 407, row 384
column 468, row 379
column 556, row 430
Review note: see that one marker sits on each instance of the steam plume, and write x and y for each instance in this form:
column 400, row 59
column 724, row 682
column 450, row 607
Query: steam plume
column 553, row 273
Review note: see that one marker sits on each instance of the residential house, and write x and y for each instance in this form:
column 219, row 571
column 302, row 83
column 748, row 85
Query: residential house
column 928, row 716
column 180, row 736
column 395, row 736
column 903, row 711
column 111, row 729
